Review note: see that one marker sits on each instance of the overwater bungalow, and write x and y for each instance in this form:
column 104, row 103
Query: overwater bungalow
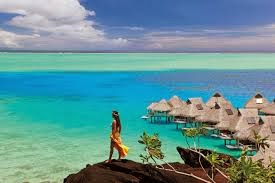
column 229, row 116
column 246, row 118
column 151, row 106
column 218, row 113
column 179, row 108
column 268, row 127
column 178, row 115
column 195, row 108
column 265, row 128
column 150, row 111
column 268, row 155
column 210, row 117
column 160, row 111
column 258, row 101
column 176, row 102
column 269, row 109
column 217, row 98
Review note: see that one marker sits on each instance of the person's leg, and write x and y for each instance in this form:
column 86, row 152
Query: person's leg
column 119, row 156
column 111, row 151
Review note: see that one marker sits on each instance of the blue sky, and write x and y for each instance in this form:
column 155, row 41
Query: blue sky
column 154, row 25
column 180, row 13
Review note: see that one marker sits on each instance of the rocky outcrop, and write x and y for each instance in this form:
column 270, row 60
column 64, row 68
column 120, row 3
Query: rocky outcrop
column 192, row 158
column 133, row 172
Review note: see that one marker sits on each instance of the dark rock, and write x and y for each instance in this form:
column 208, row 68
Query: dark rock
column 192, row 158
column 132, row 172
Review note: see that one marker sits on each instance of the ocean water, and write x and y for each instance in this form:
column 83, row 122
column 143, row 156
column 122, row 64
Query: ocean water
column 54, row 121
column 134, row 61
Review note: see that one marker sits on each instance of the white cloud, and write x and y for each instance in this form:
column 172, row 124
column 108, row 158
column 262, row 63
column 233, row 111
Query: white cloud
column 134, row 28
column 66, row 24
column 92, row 13
column 212, row 43
column 238, row 39
column 10, row 40
column 65, row 21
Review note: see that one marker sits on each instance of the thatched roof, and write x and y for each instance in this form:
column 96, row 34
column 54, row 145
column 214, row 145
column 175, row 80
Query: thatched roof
column 218, row 114
column 210, row 116
column 195, row 107
column 268, row 128
column 162, row 106
column 246, row 118
column 269, row 154
column 247, row 133
column 258, row 101
column 180, row 111
column 151, row 106
column 224, row 125
column 216, row 98
column 269, row 109
column 229, row 117
column 265, row 128
column 176, row 102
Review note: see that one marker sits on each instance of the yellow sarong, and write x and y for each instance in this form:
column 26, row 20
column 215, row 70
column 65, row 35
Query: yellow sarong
column 122, row 149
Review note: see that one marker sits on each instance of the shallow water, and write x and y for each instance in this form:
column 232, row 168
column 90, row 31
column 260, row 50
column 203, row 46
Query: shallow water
column 134, row 61
column 55, row 118
column 54, row 123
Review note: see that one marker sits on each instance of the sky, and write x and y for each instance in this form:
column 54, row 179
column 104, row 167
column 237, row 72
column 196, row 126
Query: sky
column 138, row 25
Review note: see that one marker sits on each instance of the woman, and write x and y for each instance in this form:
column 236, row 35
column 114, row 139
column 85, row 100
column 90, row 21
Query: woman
column 116, row 141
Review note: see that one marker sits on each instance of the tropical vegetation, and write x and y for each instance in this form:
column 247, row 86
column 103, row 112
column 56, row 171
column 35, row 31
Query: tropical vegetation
column 242, row 171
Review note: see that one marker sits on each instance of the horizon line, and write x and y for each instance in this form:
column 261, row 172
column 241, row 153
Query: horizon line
column 127, row 51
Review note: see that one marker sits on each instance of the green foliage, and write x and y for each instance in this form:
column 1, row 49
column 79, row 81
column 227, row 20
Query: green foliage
column 245, row 170
column 214, row 159
column 242, row 171
column 190, row 132
column 194, row 132
column 152, row 148
column 271, row 172
column 261, row 142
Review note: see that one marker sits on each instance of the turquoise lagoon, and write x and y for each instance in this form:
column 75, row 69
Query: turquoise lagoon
column 55, row 109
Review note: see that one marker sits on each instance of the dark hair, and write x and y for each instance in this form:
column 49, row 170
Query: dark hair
column 115, row 115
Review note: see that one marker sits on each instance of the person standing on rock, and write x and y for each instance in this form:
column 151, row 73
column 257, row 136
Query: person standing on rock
column 116, row 141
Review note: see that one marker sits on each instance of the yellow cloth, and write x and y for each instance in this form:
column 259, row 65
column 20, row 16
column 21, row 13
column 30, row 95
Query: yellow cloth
column 122, row 149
